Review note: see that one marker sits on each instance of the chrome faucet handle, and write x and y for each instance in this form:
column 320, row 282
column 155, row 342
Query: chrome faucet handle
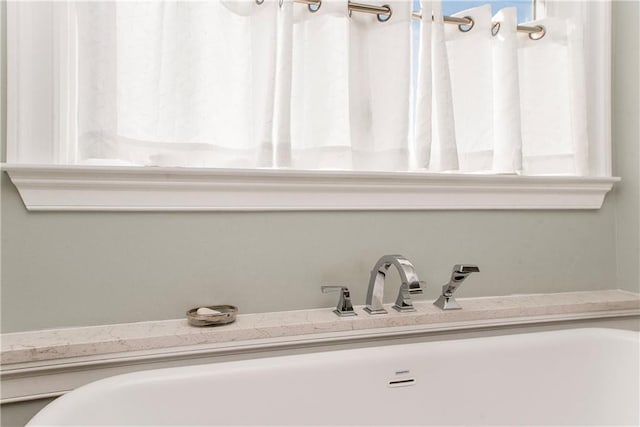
column 344, row 307
column 460, row 272
column 403, row 302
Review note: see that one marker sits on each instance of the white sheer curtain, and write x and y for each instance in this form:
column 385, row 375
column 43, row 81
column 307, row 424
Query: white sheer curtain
column 518, row 102
column 272, row 84
column 177, row 83
column 350, row 88
column 242, row 84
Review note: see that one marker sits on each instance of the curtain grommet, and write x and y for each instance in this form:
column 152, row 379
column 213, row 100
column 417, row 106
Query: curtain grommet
column 495, row 29
column 259, row 2
column 542, row 31
column 386, row 16
column 314, row 7
column 465, row 28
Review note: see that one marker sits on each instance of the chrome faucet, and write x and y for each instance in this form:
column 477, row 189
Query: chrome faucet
column 344, row 308
column 411, row 285
column 446, row 301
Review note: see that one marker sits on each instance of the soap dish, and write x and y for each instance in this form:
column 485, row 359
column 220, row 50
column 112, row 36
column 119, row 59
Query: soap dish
column 227, row 315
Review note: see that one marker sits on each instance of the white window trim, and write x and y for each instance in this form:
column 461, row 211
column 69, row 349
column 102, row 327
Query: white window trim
column 177, row 189
column 47, row 186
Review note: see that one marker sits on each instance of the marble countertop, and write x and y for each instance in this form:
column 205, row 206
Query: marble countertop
column 54, row 344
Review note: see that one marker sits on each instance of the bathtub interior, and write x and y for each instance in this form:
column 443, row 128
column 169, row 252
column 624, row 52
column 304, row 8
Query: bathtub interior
column 577, row 377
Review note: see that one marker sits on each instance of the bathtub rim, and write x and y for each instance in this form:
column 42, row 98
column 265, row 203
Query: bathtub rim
column 28, row 383
column 277, row 361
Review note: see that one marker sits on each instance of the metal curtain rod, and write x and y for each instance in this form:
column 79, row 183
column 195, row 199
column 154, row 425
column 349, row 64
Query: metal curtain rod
column 384, row 13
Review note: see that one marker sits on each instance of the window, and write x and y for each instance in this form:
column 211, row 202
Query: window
column 524, row 7
column 53, row 162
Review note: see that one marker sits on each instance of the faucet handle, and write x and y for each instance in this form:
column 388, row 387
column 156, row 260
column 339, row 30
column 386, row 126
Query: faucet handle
column 403, row 302
column 417, row 288
column 466, row 268
column 460, row 272
column 344, row 307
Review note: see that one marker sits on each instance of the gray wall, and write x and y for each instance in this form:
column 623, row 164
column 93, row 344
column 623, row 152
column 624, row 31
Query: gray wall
column 626, row 137
column 72, row 269
column 19, row 414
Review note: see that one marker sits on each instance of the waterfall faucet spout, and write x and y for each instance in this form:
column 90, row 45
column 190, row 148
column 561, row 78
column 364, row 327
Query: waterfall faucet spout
column 411, row 285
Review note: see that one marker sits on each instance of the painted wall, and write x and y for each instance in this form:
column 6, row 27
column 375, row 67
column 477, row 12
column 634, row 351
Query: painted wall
column 77, row 269
column 626, row 137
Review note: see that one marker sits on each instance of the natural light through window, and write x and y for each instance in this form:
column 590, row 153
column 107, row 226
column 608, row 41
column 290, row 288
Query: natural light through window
column 524, row 7
column 464, row 93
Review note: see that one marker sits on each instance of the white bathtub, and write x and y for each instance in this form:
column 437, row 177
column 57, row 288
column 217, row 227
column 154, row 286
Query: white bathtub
column 577, row 377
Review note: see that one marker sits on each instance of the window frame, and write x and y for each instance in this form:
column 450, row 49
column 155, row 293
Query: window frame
column 44, row 57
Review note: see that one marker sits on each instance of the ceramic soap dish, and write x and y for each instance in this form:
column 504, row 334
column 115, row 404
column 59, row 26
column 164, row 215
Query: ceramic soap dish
column 212, row 315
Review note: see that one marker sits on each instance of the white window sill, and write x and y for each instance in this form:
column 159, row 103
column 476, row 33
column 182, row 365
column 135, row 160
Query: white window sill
column 118, row 188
